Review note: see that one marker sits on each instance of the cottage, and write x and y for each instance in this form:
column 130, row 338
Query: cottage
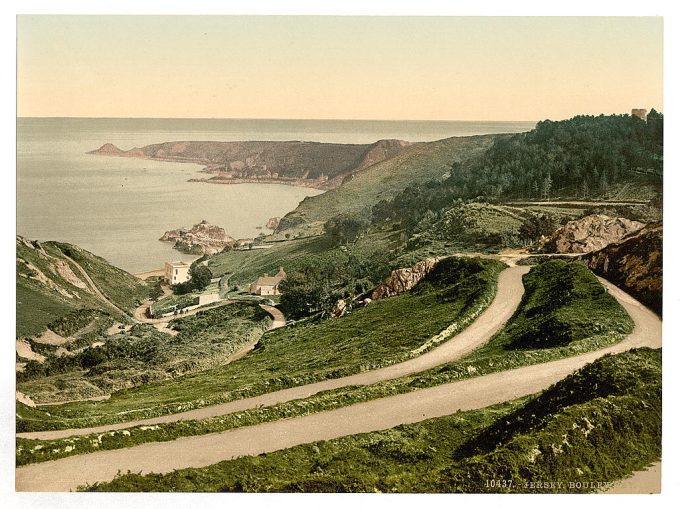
column 176, row 272
column 268, row 285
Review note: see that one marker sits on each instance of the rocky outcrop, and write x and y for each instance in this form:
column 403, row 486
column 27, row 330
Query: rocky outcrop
column 402, row 280
column 588, row 234
column 202, row 238
column 273, row 223
column 339, row 309
column 635, row 264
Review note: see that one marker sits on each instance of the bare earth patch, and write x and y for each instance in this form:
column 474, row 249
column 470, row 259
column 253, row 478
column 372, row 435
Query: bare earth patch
column 51, row 338
column 25, row 351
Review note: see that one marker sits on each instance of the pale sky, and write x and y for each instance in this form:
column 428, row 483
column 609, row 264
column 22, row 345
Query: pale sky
column 430, row 68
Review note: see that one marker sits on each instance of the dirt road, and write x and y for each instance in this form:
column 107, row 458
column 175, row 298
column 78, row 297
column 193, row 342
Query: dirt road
column 68, row 473
column 644, row 481
column 277, row 315
column 508, row 296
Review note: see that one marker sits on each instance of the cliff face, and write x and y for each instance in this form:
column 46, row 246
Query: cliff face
column 588, row 234
column 402, row 280
column 635, row 264
column 322, row 165
column 202, row 238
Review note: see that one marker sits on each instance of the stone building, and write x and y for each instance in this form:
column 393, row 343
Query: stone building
column 176, row 272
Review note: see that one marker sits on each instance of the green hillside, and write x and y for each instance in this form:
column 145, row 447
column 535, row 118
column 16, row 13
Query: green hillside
column 417, row 164
column 386, row 332
column 50, row 285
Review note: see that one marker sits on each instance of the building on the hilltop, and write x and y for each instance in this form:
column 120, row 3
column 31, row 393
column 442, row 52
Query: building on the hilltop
column 176, row 272
column 640, row 113
column 268, row 285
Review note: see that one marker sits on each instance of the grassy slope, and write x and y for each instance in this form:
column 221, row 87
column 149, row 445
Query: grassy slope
column 120, row 287
column 588, row 427
column 381, row 334
column 39, row 304
column 416, row 165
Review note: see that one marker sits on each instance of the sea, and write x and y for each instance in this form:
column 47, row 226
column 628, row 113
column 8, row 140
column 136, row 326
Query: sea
column 118, row 207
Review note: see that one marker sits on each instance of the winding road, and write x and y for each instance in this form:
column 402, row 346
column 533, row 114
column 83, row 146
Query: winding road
column 160, row 457
column 508, row 296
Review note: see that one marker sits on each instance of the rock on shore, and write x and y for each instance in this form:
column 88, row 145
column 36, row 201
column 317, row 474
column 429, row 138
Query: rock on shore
column 202, row 238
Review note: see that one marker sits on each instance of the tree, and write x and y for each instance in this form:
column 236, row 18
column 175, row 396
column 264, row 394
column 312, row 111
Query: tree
column 345, row 228
column 200, row 276
column 306, row 292
column 547, row 186
column 199, row 279
column 535, row 227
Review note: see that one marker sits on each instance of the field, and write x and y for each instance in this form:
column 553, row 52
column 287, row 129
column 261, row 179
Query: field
column 383, row 333
column 588, row 427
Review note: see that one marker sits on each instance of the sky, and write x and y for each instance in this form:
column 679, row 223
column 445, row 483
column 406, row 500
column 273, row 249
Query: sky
column 320, row 67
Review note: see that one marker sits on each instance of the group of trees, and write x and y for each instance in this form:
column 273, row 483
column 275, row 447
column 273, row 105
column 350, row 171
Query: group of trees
column 316, row 285
column 345, row 228
column 583, row 157
column 580, row 157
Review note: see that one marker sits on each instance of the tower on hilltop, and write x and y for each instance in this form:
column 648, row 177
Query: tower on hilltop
column 640, row 113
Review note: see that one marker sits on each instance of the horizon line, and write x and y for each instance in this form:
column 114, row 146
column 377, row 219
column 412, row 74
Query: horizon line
column 274, row 118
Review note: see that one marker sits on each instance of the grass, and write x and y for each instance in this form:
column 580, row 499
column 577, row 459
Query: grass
column 599, row 424
column 173, row 302
column 386, row 332
column 416, row 165
column 120, row 287
column 37, row 307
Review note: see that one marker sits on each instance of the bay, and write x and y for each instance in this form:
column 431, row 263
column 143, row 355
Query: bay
column 118, row 207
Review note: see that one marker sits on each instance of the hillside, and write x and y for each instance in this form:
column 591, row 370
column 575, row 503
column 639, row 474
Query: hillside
column 416, row 165
column 583, row 159
column 321, row 165
column 50, row 284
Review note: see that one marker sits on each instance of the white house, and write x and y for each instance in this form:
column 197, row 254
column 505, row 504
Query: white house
column 176, row 272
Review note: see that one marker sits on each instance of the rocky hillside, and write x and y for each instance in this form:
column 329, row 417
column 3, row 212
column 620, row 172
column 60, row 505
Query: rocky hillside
column 322, row 165
column 51, row 283
column 635, row 264
column 588, row 234
column 202, row 238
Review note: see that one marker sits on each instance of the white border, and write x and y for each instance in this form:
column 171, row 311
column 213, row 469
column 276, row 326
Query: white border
column 347, row 7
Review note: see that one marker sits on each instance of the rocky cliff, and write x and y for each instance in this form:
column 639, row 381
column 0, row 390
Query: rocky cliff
column 202, row 238
column 634, row 264
column 588, row 234
column 402, row 280
column 321, row 165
